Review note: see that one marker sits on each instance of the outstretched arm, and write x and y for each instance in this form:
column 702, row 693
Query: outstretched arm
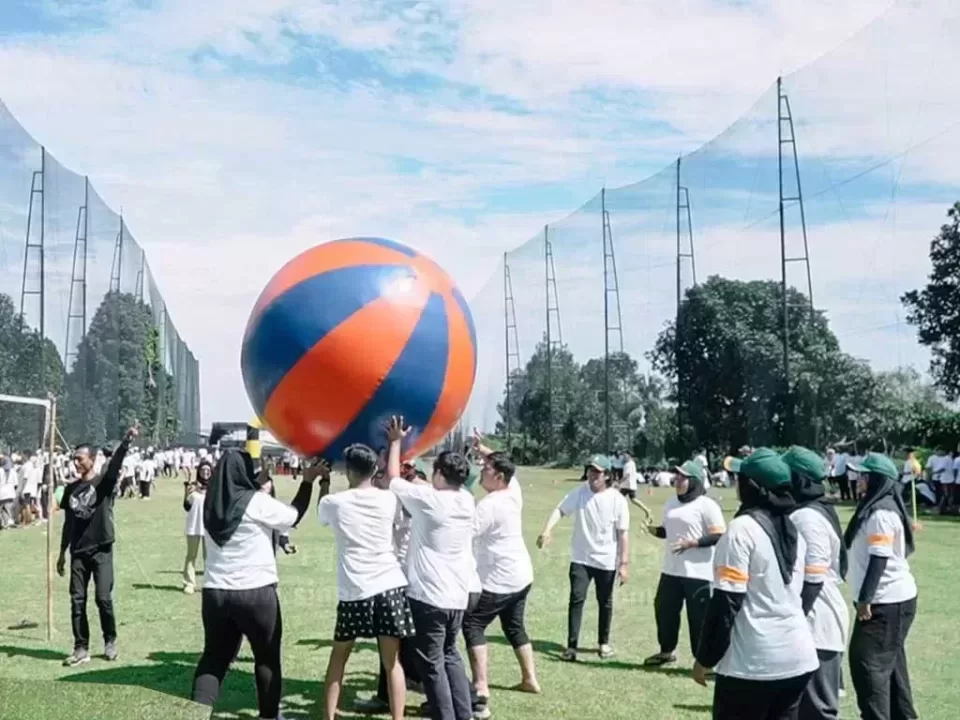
column 108, row 481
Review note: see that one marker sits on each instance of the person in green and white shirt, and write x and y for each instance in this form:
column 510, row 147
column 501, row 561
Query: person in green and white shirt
column 880, row 539
column 825, row 567
column 755, row 633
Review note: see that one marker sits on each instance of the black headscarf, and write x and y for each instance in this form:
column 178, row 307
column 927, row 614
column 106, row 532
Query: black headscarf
column 231, row 487
column 768, row 501
column 810, row 492
column 882, row 494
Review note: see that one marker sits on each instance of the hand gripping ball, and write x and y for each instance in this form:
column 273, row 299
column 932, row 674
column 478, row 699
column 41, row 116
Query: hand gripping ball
column 351, row 332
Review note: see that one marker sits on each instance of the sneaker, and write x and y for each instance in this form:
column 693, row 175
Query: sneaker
column 189, row 589
column 660, row 659
column 110, row 650
column 569, row 655
column 78, row 657
column 605, row 652
column 371, row 705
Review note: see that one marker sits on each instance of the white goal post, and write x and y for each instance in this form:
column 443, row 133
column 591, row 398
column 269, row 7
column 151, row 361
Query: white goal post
column 49, row 406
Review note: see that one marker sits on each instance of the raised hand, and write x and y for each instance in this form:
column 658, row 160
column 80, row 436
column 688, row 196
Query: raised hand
column 396, row 430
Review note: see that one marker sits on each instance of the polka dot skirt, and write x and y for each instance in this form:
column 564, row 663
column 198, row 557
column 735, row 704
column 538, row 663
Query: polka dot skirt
column 383, row 615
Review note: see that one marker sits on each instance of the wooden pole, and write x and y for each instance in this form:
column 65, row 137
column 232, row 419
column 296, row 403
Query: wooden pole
column 51, row 501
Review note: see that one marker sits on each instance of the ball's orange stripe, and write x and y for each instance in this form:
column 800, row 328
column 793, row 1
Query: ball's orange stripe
column 324, row 258
column 334, row 376
column 457, row 383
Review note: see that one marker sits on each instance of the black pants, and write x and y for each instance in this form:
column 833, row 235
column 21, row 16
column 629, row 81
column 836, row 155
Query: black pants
column 408, row 651
column 98, row 565
column 509, row 607
column 439, row 663
column 843, row 483
column 672, row 593
column 228, row 617
column 736, row 699
column 144, row 488
column 878, row 662
column 580, row 578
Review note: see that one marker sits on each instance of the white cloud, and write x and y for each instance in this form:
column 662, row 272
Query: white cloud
column 223, row 176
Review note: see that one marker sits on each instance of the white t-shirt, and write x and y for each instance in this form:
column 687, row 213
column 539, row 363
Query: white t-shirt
column 30, row 475
column 948, row 474
column 690, row 521
column 362, row 523
column 629, row 475
column 956, row 469
column 440, row 561
column 194, row 523
column 939, row 467
column 829, row 619
column 503, row 561
column 598, row 520
column 771, row 639
column 663, row 479
column 840, row 465
column 882, row 535
column 247, row 560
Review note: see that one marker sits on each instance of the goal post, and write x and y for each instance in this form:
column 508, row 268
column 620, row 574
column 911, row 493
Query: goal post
column 49, row 406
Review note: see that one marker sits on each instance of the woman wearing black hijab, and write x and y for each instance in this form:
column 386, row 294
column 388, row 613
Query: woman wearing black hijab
column 755, row 633
column 692, row 526
column 241, row 523
column 880, row 539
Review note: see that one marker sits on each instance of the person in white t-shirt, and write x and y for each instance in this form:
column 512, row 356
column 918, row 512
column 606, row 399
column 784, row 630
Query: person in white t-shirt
column 880, row 539
column 241, row 522
column 370, row 581
column 193, row 497
column 506, row 577
column 825, row 567
column 692, row 525
column 628, row 484
column 939, row 466
column 755, row 633
column 599, row 550
column 440, row 568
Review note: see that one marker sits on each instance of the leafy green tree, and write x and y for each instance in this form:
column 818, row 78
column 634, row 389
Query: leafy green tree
column 726, row 366
column 935, row 309
column 118, row 378
column 21, row 348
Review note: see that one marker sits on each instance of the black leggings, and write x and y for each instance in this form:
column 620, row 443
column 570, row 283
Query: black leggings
column 509, row 607
column 228, row 617
column 736, row 699
column 604, row 580
column 672, row 593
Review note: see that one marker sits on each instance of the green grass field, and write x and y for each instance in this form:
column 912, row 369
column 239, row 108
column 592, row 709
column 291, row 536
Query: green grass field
column 161, row 635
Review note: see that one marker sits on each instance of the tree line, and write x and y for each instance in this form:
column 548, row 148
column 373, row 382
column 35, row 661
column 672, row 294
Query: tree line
column 116, row 377
column 718, row 380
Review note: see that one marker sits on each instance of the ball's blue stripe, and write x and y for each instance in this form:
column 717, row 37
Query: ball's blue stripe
column 383, row 242
column 465, row 309
column 299, row 318
column 412, row 387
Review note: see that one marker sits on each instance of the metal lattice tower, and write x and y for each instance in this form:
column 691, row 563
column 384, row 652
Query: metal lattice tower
column 612, row 323
column 787, row 136
column 77, row 304
column 117, row 266
column 34, row 247
column 138, row 286
column 511, row 347
column 554, row 341
column 683, row 213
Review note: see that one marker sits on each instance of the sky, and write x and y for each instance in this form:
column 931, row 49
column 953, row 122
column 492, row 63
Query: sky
column 237, row 133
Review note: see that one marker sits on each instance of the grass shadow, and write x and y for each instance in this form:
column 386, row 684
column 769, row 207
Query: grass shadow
column 704, row 708
column 322, row 643
column 163, row 588
column 171, row 673
column 543, row 647
column 34, row 653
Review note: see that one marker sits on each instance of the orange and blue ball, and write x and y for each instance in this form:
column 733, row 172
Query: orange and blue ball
column 348, row 334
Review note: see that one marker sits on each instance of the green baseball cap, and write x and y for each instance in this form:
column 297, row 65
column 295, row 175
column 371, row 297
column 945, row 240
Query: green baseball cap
column 692, row 468
column 805, row 462
column 876, row 463
column 766, row 469
column 600, row 462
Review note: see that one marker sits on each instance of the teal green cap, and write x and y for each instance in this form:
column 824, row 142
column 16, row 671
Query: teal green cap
column 600, row 462
column 766, row 469
column 693, row 468
column 876, row 463
column 805, row 462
